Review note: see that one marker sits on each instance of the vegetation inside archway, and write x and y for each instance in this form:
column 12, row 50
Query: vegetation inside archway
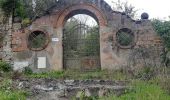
column 81, row 40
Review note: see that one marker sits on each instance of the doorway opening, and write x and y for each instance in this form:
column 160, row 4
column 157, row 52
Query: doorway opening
column 81, row 43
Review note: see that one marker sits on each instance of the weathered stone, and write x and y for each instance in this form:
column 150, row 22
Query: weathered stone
column 102, row 92
column 43, row 88
column 112, row 55
column 59, row 90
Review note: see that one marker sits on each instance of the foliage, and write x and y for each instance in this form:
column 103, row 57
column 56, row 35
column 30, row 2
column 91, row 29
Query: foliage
column 124, row 38
column 51, row 74
column 163, row 29
column 163, row 81
column 20, row 9
column 37, row 39
column 7, row 6
column 81, row 43
column 36, row 8
column 80, row 75
column 143, row 91
column 92, row 38
column 5, row 67
column 14, row 7
column 28, row 71
column 8, row 93
column 146, row 73
column 125, row 7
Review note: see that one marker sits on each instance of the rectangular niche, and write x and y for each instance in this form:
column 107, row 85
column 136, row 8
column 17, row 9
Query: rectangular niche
column 42, row 62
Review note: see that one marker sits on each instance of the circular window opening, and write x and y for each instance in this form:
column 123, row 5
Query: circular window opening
column 125, row 38
column 37, row 40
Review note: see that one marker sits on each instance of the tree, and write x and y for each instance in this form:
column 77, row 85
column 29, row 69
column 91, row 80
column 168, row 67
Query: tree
column 125, row 7
column 163, row 30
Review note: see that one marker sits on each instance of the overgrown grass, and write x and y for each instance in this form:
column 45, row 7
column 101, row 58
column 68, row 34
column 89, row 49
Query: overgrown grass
column 142, row 91
column 8, row 92
column 12, row 95
column 80, row 75
column 155, row 86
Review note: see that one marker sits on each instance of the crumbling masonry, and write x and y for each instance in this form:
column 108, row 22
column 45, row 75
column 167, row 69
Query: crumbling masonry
column 145, row 49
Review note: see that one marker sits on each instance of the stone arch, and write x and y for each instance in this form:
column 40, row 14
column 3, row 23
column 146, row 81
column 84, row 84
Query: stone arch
column 109, row 21
column 89, row 9
column 84, row 8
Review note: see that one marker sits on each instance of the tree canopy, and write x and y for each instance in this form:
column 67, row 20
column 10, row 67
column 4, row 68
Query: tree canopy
column 163, row 29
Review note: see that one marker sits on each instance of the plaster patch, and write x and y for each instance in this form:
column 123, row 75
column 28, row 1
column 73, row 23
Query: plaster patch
column 20, row 65
column 42, row 62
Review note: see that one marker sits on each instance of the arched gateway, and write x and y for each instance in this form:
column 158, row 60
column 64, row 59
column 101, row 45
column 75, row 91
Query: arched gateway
column 119, row 37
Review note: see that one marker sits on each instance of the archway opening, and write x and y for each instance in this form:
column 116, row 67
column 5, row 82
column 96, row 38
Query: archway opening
column 81, row 41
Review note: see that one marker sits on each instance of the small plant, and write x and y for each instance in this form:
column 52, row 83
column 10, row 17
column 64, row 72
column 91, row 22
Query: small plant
column 146, row 73
column 5, row 84
column 28, row 71
column 5, row 67
column 26, row 22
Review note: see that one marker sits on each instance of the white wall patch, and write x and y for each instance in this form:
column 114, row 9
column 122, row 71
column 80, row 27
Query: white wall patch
column 42, row 62
column 55, row 39
column 20, row 65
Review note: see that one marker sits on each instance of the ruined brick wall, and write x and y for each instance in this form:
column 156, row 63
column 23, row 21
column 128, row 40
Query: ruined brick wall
column 113, row 56
column 5, row 42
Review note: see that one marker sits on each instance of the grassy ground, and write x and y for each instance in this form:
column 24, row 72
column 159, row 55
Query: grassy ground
column 156, row 88
column 8, row 92
column 79, row 75
column 143, row 91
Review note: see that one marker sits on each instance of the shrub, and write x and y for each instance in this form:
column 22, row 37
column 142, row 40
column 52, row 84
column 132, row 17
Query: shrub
column 26, row 22
column 146, row 73
column 5, row 67
column 28, row 71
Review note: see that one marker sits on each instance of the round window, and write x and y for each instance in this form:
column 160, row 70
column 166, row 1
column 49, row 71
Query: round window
column 125, row 38
column 37, row 40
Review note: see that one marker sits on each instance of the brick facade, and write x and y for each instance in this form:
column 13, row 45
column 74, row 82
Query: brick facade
column 110, row 22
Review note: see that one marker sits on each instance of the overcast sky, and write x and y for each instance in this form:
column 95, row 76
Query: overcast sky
column 155, row 8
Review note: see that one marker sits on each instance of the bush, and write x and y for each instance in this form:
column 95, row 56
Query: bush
column 26, row 22
column 5, row 67
column 146, row 73
column 28, row 71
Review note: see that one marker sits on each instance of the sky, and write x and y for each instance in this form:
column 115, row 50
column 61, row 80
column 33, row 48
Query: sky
column 159, row 9
column 155, row 8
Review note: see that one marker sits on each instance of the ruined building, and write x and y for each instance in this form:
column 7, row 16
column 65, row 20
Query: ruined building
column 142, row 48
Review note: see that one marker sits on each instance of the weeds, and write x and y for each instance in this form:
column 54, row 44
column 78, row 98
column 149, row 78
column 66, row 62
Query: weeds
column 7, row 92
column 79, row 75
column 142, row 91
column 5, row 67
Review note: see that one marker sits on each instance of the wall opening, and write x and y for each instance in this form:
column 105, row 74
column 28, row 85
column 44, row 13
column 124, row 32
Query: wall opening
column 81, row 42
column 37, row 40
column 125, row 38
